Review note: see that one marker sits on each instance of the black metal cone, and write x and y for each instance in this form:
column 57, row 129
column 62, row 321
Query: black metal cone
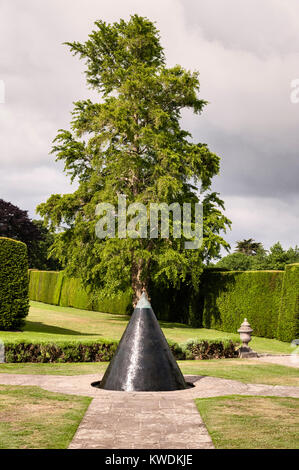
column 143, row 360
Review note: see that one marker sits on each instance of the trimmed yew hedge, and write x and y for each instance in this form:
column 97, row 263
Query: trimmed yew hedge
column 45, row 286
column 229, row 297
column 53, row 287
column 288, row 321
column 14, row 300
column 268, row 299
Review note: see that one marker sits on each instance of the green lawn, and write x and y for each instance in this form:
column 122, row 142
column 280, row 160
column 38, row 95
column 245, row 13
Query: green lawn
column 49, row 323
column 249, row 422
column 247, row 371
column 32, row 418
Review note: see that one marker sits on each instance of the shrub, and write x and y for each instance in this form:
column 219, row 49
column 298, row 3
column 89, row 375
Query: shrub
column 236, row 262
column 103, row 350
column 177, row 350
column 288, row 322
column 200, row 349
column 62, row 352
column 14, row 301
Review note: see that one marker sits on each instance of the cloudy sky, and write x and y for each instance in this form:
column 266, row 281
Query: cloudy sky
column 247, row 53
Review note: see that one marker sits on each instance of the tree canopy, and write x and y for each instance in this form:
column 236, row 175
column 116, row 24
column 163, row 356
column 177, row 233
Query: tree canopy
column 248, row 247
column 276, row 258
column 131, row 142
column 16, row 224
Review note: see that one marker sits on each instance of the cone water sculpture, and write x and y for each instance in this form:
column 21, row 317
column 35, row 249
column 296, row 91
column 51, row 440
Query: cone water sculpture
column 143, row 360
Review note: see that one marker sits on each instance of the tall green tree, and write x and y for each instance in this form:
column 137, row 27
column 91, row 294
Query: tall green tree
column 235, row 262
column 274, row 258
column 278, row 257
column 15, row 223
column 131, row 142
column 39, row 258
column 248, row 247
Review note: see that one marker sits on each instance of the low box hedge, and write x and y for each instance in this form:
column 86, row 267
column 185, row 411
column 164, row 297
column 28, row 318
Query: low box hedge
column 60, row 352
column 196, row 349
column 104, row 350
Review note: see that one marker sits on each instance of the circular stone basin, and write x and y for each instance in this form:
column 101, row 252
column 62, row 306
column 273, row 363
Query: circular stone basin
column 98, row 385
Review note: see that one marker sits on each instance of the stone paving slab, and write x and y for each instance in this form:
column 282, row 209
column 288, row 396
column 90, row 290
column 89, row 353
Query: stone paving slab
column 138, row 420
column 291, row 360
column 141, row 421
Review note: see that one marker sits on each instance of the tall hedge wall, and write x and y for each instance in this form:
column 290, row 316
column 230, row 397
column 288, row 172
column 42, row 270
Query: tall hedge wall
column 288, row 321
column 182, row 306
column 55, row 288
column 74, row 295
column 45, row 286
column 229, row 297
column 268, row 299
column 14, row 300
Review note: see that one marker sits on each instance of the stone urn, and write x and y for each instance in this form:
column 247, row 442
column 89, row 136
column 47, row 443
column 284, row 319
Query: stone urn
column 245, row 331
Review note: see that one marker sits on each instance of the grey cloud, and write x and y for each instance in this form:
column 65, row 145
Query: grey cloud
column 247, row 53
column 253, row 167
column 266, row 28
column 266, row 220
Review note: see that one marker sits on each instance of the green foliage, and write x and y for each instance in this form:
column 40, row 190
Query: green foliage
column 54, row 287
column 223, row 301
column 229, row 297
column 248, row 247
column 45, row 286
column 104, row 349
column 16, row 224
column 288, row 322
column 39, row 252
column 131, row 143
column 275, row 259
column 14, row 301
column 73, row 294
column 235, row 262
column 210, row 349
column 170, row 304
column 278, row 258
column 119, row 304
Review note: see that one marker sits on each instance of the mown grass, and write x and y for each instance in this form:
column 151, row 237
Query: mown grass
column 251, row 422
column 246, row 371
column 32, row 418
column 49, row 323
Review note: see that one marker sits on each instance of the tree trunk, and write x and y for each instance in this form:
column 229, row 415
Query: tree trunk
column 138, row 284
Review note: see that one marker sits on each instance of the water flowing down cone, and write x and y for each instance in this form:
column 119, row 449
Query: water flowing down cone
column 143, row 360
